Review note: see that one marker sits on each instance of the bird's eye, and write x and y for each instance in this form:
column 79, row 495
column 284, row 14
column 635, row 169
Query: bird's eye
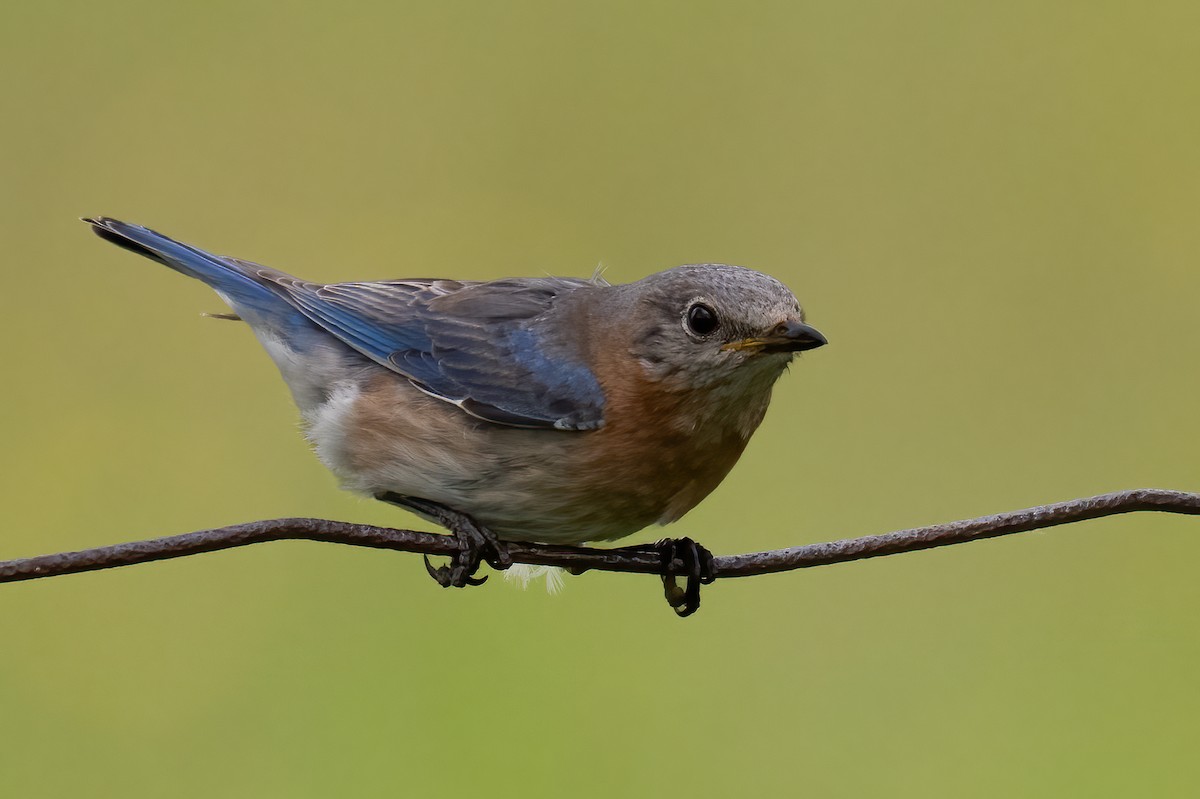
column 701, row 319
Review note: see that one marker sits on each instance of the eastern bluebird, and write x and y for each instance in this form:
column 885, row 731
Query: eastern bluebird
column 556, row 410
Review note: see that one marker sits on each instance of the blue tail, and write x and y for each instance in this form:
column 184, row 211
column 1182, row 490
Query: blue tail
column 253, row 299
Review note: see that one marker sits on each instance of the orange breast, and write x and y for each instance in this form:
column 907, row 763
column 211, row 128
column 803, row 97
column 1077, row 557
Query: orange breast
column 662, row 449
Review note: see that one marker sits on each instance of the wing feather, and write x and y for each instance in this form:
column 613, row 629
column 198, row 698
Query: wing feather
column 490, row 348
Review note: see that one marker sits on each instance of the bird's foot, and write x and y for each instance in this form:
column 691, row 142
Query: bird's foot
column 684, row 557
column 476, row 543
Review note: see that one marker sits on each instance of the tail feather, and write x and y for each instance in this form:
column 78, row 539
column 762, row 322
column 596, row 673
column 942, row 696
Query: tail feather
column 105, row 228
column 250, row 297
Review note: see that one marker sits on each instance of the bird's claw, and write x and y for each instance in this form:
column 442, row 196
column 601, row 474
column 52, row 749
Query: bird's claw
column 476, row 544
column 684, row 557
column 456, row 575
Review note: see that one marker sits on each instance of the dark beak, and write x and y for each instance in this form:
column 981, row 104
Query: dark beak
column 788, row 336
column 793, row 336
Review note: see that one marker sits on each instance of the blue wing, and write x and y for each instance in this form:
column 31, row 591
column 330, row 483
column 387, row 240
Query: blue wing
column 494, row 349
column 498, row 350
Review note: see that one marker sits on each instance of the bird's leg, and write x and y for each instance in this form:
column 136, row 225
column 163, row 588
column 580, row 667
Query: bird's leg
column 684, row 557
column 681, row 557
column 476, row 543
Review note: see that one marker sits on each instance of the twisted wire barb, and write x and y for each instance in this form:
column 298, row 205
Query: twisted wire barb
column 636, row 559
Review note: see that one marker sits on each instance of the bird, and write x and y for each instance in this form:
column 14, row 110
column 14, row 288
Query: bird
column 549, row 409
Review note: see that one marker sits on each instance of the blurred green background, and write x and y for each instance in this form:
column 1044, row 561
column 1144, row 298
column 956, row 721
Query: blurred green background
column 991, row 210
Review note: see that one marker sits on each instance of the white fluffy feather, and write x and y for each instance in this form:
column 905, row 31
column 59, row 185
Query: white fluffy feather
column 523, row 573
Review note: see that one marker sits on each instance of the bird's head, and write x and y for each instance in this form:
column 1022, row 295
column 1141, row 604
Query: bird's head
column 705, row 325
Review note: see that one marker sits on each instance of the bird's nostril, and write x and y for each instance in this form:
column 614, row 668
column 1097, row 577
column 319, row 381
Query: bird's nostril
column 780, row 329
